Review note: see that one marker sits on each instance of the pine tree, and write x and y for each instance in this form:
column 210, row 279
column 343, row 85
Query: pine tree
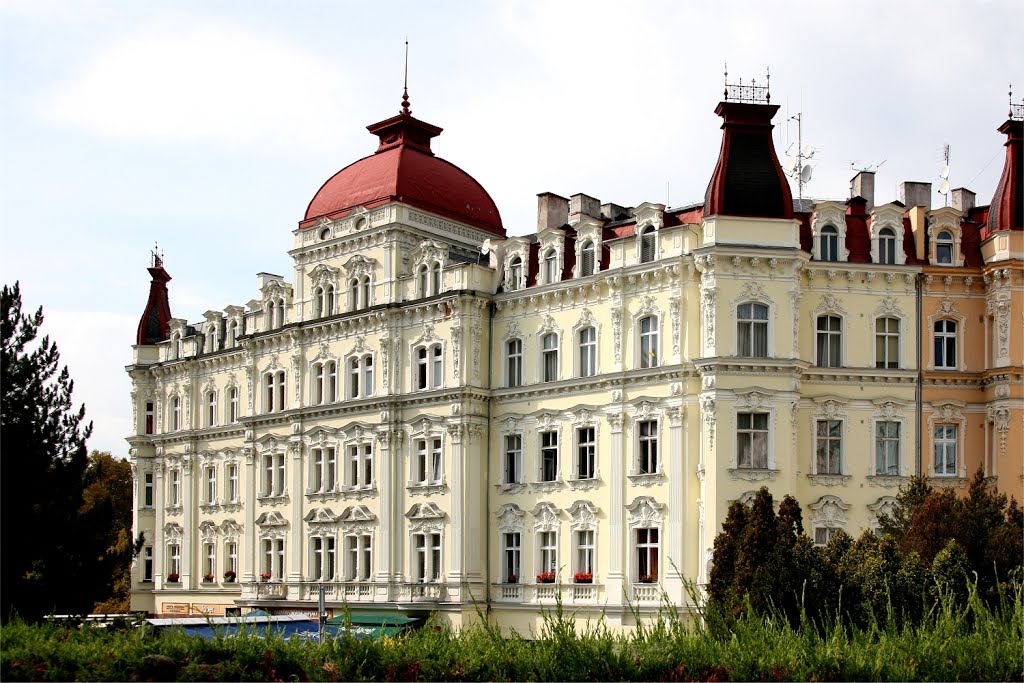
column 42, row 461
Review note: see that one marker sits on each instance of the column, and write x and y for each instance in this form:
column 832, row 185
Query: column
column 455, row 434
column 250, row 562
column 294, row 536
column 616, row 485
column 386, row 468
column 677, row 479
column 188, row 535
column 158, row 524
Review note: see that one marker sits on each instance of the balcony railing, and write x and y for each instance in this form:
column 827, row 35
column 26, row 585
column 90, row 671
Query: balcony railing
column 646, row 592
column 548, row 593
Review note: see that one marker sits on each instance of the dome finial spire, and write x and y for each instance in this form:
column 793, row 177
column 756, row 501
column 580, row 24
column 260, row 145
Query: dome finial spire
column 406, row 111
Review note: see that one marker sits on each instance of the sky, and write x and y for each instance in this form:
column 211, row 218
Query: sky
column 207, row 127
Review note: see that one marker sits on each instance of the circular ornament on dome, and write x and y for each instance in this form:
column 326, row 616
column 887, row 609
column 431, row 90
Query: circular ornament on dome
column 325, row 234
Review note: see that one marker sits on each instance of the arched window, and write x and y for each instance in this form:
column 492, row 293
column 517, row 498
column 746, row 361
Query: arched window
column 549, row 353
column 353, row 294
column 829, row 244
column 829, row 341
column 435, row 277
column 588, row 352
column 230, row 339
column 752, row 330
column 587, row 259
column 366, row 291
column 318, row 302
column 330, row 381
column 318, row 384
column 647, row 244
column 175, row 349
column 515, row 274
column 175, row 413
column 424, row 281
column 232, row 405
column 550, row 266
column 211, row 339
column 514, row 362
column 211, row 409
column 274, row 392
column 887, row 246
column 271, row 314
column 944, row 248
column 328, row 302
column 648, row 328
column 280, row 313
column 428, row 367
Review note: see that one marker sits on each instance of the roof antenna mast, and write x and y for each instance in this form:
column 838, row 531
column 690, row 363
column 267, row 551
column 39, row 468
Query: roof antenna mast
column 405, row 84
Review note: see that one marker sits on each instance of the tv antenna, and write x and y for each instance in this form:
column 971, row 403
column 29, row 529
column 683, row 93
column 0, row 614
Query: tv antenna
column 944, row 174
column 796, row 166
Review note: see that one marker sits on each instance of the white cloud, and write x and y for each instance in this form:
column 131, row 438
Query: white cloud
column 207, row 85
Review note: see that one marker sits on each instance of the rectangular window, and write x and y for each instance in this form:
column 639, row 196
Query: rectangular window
column 823, row 534
column 647, row 555
column 649, row 342
column 829, row 343
column 549, row 456
column 945, row 450
column 231, row 557
column 585, row 551
column 511, row 554
column 210, row 476
column 586, row 451
column 324, row 470
column 588, row 352
column 829, row 447
column 752, row 440
column 887, row 448
column 435, row 461
column 211, row 409
column 547, row 552
column 437, row 373
column 232, row 477
column 323, row 548
column 887, row 343
column 149, row 417
column 514, row 362
column 354, row 374
column 421, row 368
column 945, row 344
column 647, row 453
column 368, row 376
column 426, row 557
column 550, row 357
column 513, row 457
column 175, row 494
column 273, row 558
column 273, row 474
column 360, row 466
column 147, row 563
column 209, row 562
column 147, row 490
column 752, row 331
column 173, row 562
column 233, row 405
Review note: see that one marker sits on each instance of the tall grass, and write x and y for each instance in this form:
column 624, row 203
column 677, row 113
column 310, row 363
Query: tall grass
column 957, row 640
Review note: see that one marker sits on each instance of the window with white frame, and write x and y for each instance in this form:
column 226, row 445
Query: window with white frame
column 647, row 447
column 829, row 341
column 824, row 534
column 547, row 552
column 423, row 280
column 211, row 340
column 175, row 413
column 887, row 246
column 515, row 274
column 435, row 277
column 945, row 445
column 944, row 244
column 588, row 351
column 174, row 484
column 353, row 294
column 887, row 448
column 231, row 475
column 274, row 392
column 211, row 408
column 322, row 557
column 325, row 383
column 273, row 475
column 514, row 363
column 327, row 302
column 513, row 459
column 209, row 561
column 231, row 336
column 429, row 367
column 648, row 327
column 828, row 447
column 549, row 456
column 173, row 562
column 148, row 490
column 587, row 259
column 231, row 557
column 273, row 558
column 586, row 453
column 210, row 480
column 360, row 466
column 887, row 343
column 324, row 466
column 648, row 244
column 647, row 554
column 752, row 330
column 945, row 344
column 585, row 552
column 358, row 556
column 427, row 468
column 147, row 563
column 233, row 413
column 828, row 244
column 549, row 357
column 360, row 376
column 150, row 417
column 752, row 440
column 175, row 348
column 551, row 273
column 426, row 557
column 511, row 554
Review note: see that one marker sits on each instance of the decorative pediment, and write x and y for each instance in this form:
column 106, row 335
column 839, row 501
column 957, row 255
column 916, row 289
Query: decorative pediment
column 888, row 306
column 424, row 511
column 583, row 515
column 648, row 214
column 548, row 326
column 829, row 511
column 319, row 436
column 275, row 289
column 829, row 305
column 428, row 425
column 551, row 238
column 231, row 529
column 584, row 417
column 828, row 213
column 429, row 252
column 645, row 410
column 510, row 425
column 320, row 516
column 512, row 331
column 887, row 216
column 357, row 431
column 888, row 409
column 208, row 531
column 270, row 443
column 644, row 511
column 586, row 319
column 547, row 422
column 357, row 513
column 510, row 518
column 359, row 266
column 172, row 533
column 830, row 407
column 753, row 398
column 271, row 519
column 753, row 291
column 427, row 336
column 323, row 275
column 545, row 517
column 948, row 411
column 884, row 506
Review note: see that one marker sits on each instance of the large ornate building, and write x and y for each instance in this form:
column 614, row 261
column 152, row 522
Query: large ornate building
column 432, row 415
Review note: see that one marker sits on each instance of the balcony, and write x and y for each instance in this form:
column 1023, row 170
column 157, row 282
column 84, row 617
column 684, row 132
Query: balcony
column 548, row 593
column 420, row 592
column 645, row 592
column 268, row 590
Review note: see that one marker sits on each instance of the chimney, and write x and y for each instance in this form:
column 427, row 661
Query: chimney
column 552, row 211
column 863, row 185
column 614, row 212
column 916, row 194
column 583, row 205
column 263, row 278
column 963, row 199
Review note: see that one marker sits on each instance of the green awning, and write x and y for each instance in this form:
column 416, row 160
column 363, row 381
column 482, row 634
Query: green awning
column 375, row 619
column 365, row 631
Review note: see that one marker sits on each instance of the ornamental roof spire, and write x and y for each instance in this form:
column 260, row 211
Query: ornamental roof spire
column 155, row 323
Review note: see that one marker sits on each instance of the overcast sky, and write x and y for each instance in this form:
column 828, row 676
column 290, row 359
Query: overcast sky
column 208, row 127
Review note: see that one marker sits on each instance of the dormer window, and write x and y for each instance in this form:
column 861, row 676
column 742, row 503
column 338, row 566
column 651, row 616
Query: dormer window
column 231, row 337
column 828, row 245
column 887, row 246
column 587, row 259
column 435, row 277
column 944, row 248
column 648, row 241
column 211, row 340
column 550, row 266
column 515, row 274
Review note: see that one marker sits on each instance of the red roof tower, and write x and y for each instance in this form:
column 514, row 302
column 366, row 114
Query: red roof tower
column 155, row 324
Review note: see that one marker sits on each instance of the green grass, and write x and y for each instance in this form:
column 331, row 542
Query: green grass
column 954, row 642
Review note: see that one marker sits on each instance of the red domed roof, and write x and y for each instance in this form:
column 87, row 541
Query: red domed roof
column 404, row 169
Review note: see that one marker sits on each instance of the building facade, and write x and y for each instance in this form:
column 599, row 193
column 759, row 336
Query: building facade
column 434, row 416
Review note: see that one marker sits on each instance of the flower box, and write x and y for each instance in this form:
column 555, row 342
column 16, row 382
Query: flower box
column 208, row 577
column 229, row 576
column 264, row 577
column 512, row 579
column 173, row 577
column 546, row 577
column 648, row 579
column 583, row 577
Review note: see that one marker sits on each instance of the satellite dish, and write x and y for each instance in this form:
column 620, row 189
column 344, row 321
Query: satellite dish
column 944, row 187
column 790, row 163
column 945, row 172
column 805, row 174
column 807, row 151
column 486, row 247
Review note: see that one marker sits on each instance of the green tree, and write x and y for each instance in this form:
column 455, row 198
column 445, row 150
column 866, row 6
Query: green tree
column 107, row 516
column 42, row 462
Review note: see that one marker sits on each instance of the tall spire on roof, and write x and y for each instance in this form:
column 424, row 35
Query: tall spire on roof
column 154, row 325
column 1006, row 210
column 406, row 111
